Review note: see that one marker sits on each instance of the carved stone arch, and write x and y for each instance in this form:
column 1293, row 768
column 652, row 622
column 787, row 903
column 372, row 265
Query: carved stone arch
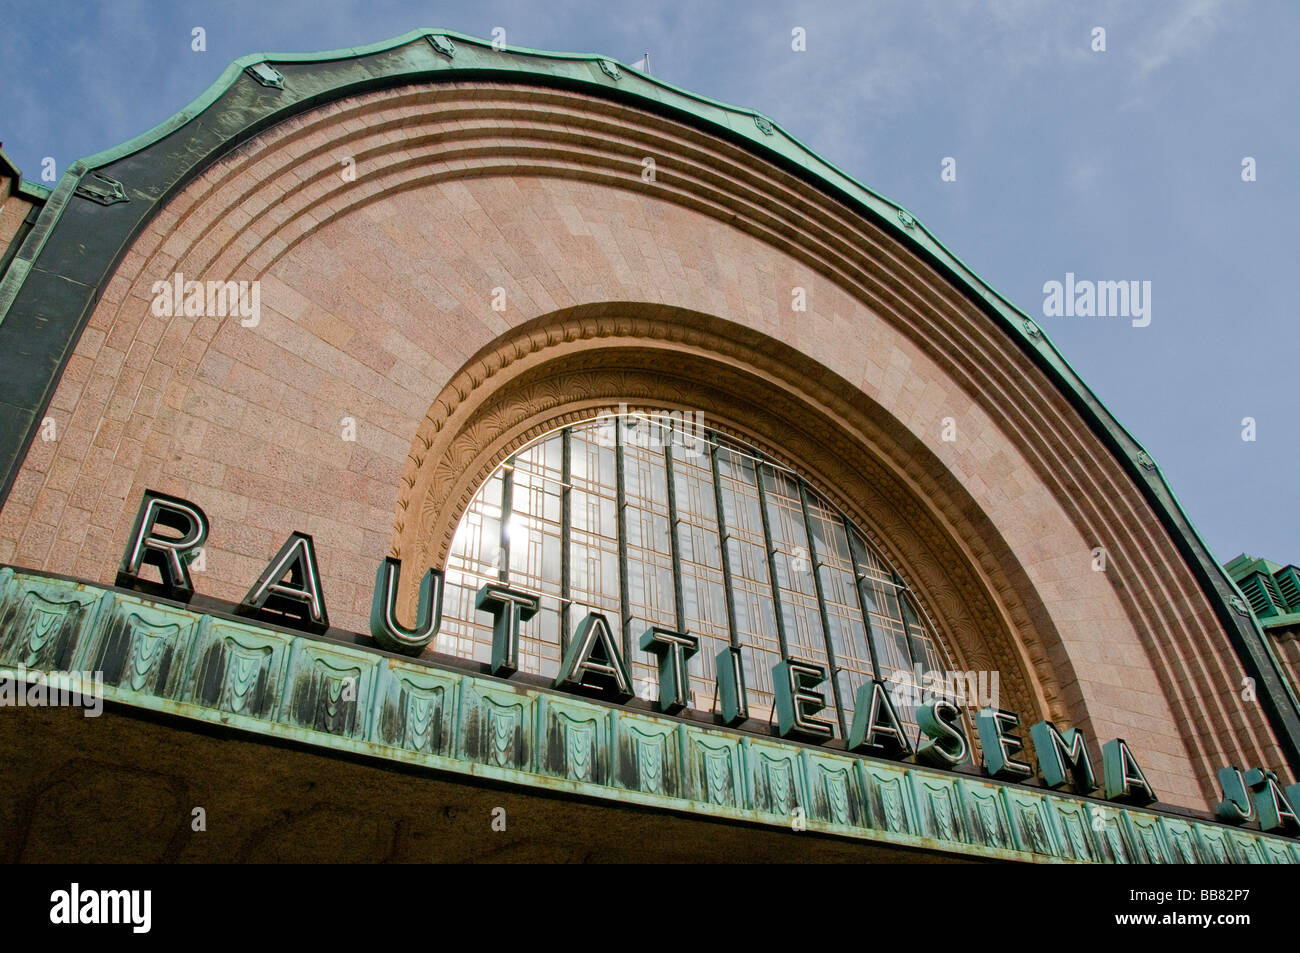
column 376, row 305
column 572, row 365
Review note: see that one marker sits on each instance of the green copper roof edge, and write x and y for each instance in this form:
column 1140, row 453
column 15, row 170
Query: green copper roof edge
column 33, row 191
column 1255, row 623
column 1244, row 565
column 226, row 80
column 25, row 188
column 1281, row 621
column 911, row 231
column 52, row 207
column 232, row 72
column 848, row 183
column 7, row 167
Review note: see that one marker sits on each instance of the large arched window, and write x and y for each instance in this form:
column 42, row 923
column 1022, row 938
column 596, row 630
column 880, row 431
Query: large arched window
column 652, row 520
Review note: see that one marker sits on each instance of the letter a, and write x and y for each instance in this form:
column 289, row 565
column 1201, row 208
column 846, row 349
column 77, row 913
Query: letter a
column 593, row 661
column 297, row 601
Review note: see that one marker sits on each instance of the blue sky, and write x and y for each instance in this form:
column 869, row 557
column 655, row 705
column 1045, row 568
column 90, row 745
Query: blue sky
column 1116, row 165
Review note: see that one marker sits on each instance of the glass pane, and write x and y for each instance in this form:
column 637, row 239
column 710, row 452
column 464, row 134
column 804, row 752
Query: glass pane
column 812, row 553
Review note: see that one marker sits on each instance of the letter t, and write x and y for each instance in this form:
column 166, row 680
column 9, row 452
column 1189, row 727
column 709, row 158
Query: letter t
column 509, row 608
column 673, row 649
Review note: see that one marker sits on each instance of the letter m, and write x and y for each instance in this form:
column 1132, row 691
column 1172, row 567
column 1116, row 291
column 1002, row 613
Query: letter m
column 1112, row 298
column 223, row 298
column 966, row 688
column 115, row 906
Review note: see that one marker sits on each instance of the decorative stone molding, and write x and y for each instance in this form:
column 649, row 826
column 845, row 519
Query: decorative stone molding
column 567, row 368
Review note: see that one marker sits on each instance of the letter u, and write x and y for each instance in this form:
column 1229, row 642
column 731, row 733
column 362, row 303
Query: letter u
column 385, row 628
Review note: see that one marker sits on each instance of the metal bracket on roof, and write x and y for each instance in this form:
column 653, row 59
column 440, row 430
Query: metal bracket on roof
column 1032, row 329
column 442, row 44
column 102, row 189
column 267, row 75
column 1239, row 605
column 1144, row 460
column 609, row 68
column 764, row 125
column 905, row 217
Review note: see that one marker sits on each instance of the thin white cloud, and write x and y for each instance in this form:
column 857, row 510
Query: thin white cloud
column 1190, row 29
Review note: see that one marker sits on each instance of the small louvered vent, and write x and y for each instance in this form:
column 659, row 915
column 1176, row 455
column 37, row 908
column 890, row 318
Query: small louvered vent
column 1260, row 598
column 1275, row 597
column 1288, row 585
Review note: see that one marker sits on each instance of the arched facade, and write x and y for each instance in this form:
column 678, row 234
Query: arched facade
column 468, row 255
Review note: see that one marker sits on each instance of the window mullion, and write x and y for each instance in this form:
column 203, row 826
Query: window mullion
column 566, row 535
column 679, row 601
column 850, row 532
column 728, row 592
column 621, row 508
column 507, row 509
column 771, row 561
column 815, row 560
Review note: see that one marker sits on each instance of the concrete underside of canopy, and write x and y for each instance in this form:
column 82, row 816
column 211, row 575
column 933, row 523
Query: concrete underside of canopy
column 122, row 788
